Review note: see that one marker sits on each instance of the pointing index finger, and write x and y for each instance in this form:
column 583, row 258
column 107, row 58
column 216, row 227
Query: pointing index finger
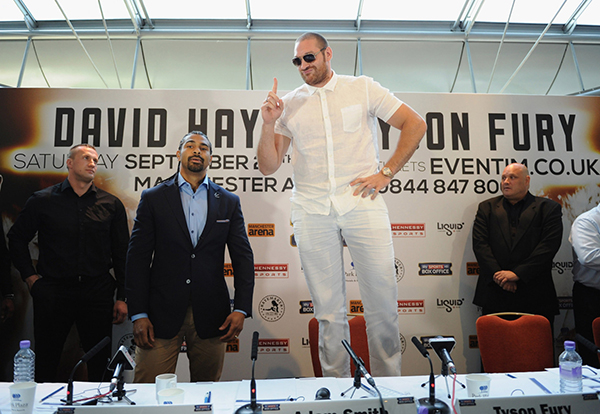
column 275, row 86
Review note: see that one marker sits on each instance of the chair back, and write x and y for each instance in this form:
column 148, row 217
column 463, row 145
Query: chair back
column 519, row 345
column 596, row 331
column 358, row 342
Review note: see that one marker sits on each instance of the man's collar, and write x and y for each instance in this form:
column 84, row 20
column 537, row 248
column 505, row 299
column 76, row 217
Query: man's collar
column 181, row 181
column 329, row 86
column 66, row 184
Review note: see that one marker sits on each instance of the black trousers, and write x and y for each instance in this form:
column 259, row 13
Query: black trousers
column 57, row 305
column 586, row 308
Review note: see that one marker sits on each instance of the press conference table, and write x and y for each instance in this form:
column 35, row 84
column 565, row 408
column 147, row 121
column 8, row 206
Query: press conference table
column 227, row 396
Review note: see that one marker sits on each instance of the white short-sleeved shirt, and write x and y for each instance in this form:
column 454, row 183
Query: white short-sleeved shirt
column 333, row 132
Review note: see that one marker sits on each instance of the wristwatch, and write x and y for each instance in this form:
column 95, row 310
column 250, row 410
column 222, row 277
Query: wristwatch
column 387, row 172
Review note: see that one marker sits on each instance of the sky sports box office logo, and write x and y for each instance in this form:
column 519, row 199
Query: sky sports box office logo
column 435, row 269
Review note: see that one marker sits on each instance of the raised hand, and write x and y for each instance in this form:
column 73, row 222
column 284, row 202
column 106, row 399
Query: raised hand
column 272, row 107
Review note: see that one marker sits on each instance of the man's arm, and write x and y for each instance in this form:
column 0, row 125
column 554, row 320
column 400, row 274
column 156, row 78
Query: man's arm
column 412, row 128
column 19, row 236
column 119, row 234
column 271, row 146
column 481, row 242
column 550, row 240
column 585, row 238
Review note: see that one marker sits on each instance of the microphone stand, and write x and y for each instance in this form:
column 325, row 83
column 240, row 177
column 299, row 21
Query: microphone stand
column 444, row 373
column 120, row 393
column 357, row 384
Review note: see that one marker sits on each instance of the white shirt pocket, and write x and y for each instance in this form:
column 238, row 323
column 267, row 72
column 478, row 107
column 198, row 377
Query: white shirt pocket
column 352, row 118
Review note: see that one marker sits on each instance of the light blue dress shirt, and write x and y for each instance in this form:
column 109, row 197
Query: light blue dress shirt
column 585, row 238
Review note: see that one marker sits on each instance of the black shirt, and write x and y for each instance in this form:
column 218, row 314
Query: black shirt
column 77, row 236
column 514, row 212
column 5, row 280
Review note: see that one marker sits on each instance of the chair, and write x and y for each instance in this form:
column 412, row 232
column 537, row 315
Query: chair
column 519, row 345
column 596, row 331
column 358, row 342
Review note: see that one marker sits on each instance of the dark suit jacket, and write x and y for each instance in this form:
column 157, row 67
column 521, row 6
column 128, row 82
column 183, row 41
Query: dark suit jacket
column 166, row 273
column 538, row 238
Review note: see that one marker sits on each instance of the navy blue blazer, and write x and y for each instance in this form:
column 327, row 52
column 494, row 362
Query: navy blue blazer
column 165, row 273
column 538, row 238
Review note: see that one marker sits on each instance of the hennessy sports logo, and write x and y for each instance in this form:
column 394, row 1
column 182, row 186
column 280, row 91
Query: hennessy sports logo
column 411, row 307
column 271, row 271
column 261, row 230
column 274, row 346
column 408, row 229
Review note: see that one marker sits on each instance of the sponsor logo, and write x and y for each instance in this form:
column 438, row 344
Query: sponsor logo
column 449, row 228
column 565, row 302
column 473, row 342
column 472, row 269
column 351, row 275
column 261, row 230
column 435, row 269
column 561, row 267
column 305, row 342
column 406, row 230
column 271, row 271
column 274, row 346
column 271, row 308
column 306, row 307
column 233, row 346
column 356, row 306
column 228, row 270
column 449, row 304
column 402, row 344
column 411, row 307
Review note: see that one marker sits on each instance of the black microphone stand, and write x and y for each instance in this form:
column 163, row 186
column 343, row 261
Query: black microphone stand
column 357, row 383
column 444, row 373
column 120, row 393
column 434, row 406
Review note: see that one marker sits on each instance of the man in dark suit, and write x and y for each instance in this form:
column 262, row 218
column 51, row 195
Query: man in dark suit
column 175, row 282
column 515, row 238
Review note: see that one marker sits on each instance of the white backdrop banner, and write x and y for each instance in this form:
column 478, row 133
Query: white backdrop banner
column 432, row 201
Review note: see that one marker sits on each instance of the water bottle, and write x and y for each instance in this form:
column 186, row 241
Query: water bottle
column 570, row 369
column 24, row 363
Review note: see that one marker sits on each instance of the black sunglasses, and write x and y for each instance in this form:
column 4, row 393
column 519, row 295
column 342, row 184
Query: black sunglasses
column 308, row 58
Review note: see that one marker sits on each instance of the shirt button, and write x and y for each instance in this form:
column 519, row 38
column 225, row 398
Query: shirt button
column 193, row 256
column 188, row 281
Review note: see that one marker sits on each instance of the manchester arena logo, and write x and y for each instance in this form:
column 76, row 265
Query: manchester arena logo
column 271, row 271
column 274, row 346
column 233, row 346
column 271, row 308
column 407, row 230
column 261, row 230
column 472, row 269
column 356, row 306
column 435, row 269
column 306, row 307
column 411, row 307
column 449, row 228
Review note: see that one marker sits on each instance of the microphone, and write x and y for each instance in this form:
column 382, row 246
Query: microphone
column 89, row 355
column 359, row 363
column 432, row 404
column 587, row 343
column 253, row 407
column 121, row 361
column 442, row 347
column 420, row 346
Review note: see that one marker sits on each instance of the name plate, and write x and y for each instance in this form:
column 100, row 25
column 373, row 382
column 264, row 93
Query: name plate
column 393, row 405
column 531, row 404
column 136, row 409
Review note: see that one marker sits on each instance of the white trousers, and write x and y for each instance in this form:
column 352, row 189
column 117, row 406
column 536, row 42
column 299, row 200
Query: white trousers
column 367, row 233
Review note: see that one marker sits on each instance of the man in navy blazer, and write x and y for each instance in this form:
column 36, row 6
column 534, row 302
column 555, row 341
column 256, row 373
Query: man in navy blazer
column 515, row 238
column 175, row 282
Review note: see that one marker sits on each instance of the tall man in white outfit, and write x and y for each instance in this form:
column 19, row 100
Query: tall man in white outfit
column 331, row 122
